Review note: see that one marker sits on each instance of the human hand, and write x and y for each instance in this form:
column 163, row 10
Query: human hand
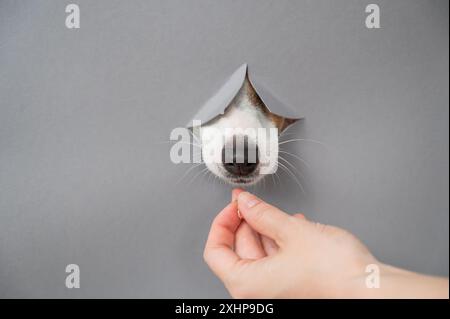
column 270, row 254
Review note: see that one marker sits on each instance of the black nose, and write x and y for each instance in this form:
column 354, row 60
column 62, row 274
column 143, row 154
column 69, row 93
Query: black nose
column 242, row 164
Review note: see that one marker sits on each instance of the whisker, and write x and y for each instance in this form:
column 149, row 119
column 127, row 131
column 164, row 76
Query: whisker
column 278, row 178
column 187, row 172
column 297, row 157
column 287, row 130
column 284, row 167
column 181, row 142
column 198, row 174
column 301, row 175
column 273, row 179
column 293, row 167
column 215, row 181
column 286, row 134
column 304, row 140
column 195, row 137
column 208, row 176
column 206, row 173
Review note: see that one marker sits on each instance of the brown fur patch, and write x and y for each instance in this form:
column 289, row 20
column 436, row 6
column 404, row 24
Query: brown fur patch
column 247, row 90
column 280, row 122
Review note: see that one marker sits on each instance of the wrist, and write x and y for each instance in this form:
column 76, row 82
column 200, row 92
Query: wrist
column 385, row 281
column 366, row 280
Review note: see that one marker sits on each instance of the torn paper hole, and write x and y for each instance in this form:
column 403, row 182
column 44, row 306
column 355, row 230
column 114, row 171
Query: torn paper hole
column 218, row 103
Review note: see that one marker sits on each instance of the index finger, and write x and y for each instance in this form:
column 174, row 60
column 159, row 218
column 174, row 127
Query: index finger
column 218, row 253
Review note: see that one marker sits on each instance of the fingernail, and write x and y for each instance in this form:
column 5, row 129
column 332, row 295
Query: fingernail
column 235, row 202
column 248, row 200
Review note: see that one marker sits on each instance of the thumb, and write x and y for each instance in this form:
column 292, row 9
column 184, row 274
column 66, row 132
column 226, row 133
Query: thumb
column 264, row 218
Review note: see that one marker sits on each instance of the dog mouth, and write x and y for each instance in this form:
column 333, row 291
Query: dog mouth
column 241, row 180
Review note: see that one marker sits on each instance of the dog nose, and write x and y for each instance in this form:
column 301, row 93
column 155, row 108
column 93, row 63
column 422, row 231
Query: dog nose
column 242, row 164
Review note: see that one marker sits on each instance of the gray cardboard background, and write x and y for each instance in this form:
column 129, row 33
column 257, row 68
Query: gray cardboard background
column 85, row 179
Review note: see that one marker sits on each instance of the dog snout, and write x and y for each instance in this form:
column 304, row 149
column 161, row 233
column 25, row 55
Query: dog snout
column 240, row 161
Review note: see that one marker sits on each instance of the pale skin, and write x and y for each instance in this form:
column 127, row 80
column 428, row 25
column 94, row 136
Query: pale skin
column 259, row 251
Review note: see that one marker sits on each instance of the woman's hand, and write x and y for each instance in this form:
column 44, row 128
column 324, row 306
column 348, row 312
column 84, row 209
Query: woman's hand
column 270, row 254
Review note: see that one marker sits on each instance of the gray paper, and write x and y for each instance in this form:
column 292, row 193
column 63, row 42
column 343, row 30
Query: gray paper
column 217, row 104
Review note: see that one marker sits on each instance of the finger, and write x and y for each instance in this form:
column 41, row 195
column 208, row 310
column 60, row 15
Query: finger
column 218, row 253
column 248, row 243
column 269, row 245
column 264, row 218
column 235, row 193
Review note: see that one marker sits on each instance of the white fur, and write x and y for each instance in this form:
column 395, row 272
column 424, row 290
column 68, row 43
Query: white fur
column 237, row 117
